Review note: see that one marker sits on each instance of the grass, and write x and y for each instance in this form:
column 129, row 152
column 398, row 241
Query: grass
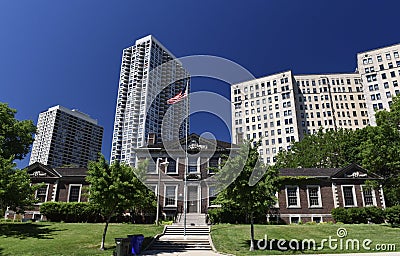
column 235, row 239
column 45, row 238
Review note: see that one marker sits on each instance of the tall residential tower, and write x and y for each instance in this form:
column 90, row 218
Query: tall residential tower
column 150, row 75
column 66, row 137
column 282, row 108
column 380, row 73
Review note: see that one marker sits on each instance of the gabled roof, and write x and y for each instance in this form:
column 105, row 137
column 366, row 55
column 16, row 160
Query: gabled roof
column 352, row 171
column 308, row 172
column 72, row 171
column 41, row 170
column 355, row 171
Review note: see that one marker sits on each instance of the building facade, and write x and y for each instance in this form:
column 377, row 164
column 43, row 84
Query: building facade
column 282, row 108
column 60, row 185
column 380, row 73
column 150, row 75
column 66, row 137
column 167, row 181
column 310, row 194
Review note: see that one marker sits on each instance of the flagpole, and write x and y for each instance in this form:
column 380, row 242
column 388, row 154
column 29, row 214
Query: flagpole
column 186, row 160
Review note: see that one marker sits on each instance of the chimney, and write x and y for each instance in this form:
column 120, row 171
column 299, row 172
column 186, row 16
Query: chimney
column 151, row 139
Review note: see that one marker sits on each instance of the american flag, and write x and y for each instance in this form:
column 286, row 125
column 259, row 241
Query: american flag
column 181, row 95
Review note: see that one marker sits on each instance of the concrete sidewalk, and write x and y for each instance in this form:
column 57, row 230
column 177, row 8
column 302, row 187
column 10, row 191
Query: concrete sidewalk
column 183, row 253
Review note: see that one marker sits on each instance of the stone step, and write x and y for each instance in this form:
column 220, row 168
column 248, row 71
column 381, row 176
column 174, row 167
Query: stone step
column 182, row 245
column 179, row 230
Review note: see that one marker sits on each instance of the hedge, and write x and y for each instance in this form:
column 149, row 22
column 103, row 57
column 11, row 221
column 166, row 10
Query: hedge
column 393, row 215
column 71, row 212
column 359, row 215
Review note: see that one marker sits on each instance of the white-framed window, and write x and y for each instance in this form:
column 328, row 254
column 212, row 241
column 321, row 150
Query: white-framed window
column 295, row 219
column 194, row 165
column 212, row 194
column 41, row 193
column 74, row 192
column 368, row 196
column 316, row 219
column 314, row 196
column 171, row 193
column 152, row 167
column 153, row 187
column 172, row 166
column 292, row 197
column 349, row 196
column 213, row 163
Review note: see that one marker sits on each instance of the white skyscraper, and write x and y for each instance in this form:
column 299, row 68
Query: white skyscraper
column 380, row 73
column 282, row 108
column 66, row 137
column 150, row 75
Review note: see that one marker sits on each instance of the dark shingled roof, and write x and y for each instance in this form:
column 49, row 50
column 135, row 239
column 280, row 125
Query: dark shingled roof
column 72, row 171
column 313, row 172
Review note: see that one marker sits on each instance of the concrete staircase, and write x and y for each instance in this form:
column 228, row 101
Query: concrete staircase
column 192, row 219
column 173, row 240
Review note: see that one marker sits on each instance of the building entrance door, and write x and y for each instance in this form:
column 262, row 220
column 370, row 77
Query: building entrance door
column 192, row 199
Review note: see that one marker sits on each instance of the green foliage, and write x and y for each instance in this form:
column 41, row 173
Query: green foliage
column 323, row 149
column 358, row 215
column 115, row 188
column 15, row 189
column 392, row 215
column 253, row 189
column 16, row 136
column 71, row 212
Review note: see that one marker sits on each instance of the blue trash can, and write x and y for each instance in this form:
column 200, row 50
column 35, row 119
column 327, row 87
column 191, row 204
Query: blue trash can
column 136, row 243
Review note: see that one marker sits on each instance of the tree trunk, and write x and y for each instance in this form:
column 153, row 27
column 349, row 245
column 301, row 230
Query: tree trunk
column 103, row 239
column 251, row 232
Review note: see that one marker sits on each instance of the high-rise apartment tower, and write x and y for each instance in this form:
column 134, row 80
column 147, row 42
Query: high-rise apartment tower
column 66, row 137
column 150, row 75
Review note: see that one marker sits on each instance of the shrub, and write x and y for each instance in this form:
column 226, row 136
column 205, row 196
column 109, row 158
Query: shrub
column 70, row 212
column 358, row 215
column 393, row 215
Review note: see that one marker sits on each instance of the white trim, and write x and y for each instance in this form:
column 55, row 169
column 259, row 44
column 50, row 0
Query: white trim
column 276, row 205
column 157, row 165
column 69, row 191
column 335, row 195
column 198, row 196
column 208, row 198
column 354, row 196
column 297, row 195
column 294, row 216
column 317, row 216
column 47, row 194
column 373, row 196
column 319, row 196
column 382, row 197
column 176, row 194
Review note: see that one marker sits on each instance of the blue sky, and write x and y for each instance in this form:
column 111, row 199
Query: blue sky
column 68, row 52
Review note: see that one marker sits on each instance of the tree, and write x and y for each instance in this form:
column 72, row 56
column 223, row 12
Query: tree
column 380, row 152
column 115, row 188
column 324, row 149
column 15, row 189
column 16, row 136
column 254, row 188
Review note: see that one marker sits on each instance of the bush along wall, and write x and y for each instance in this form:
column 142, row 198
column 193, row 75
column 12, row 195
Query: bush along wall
column 71, row 212
column 393, row 215
column 359, row 215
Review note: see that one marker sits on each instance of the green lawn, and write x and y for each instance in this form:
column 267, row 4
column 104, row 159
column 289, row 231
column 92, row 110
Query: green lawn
column 234, row 239
column 47, row 238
